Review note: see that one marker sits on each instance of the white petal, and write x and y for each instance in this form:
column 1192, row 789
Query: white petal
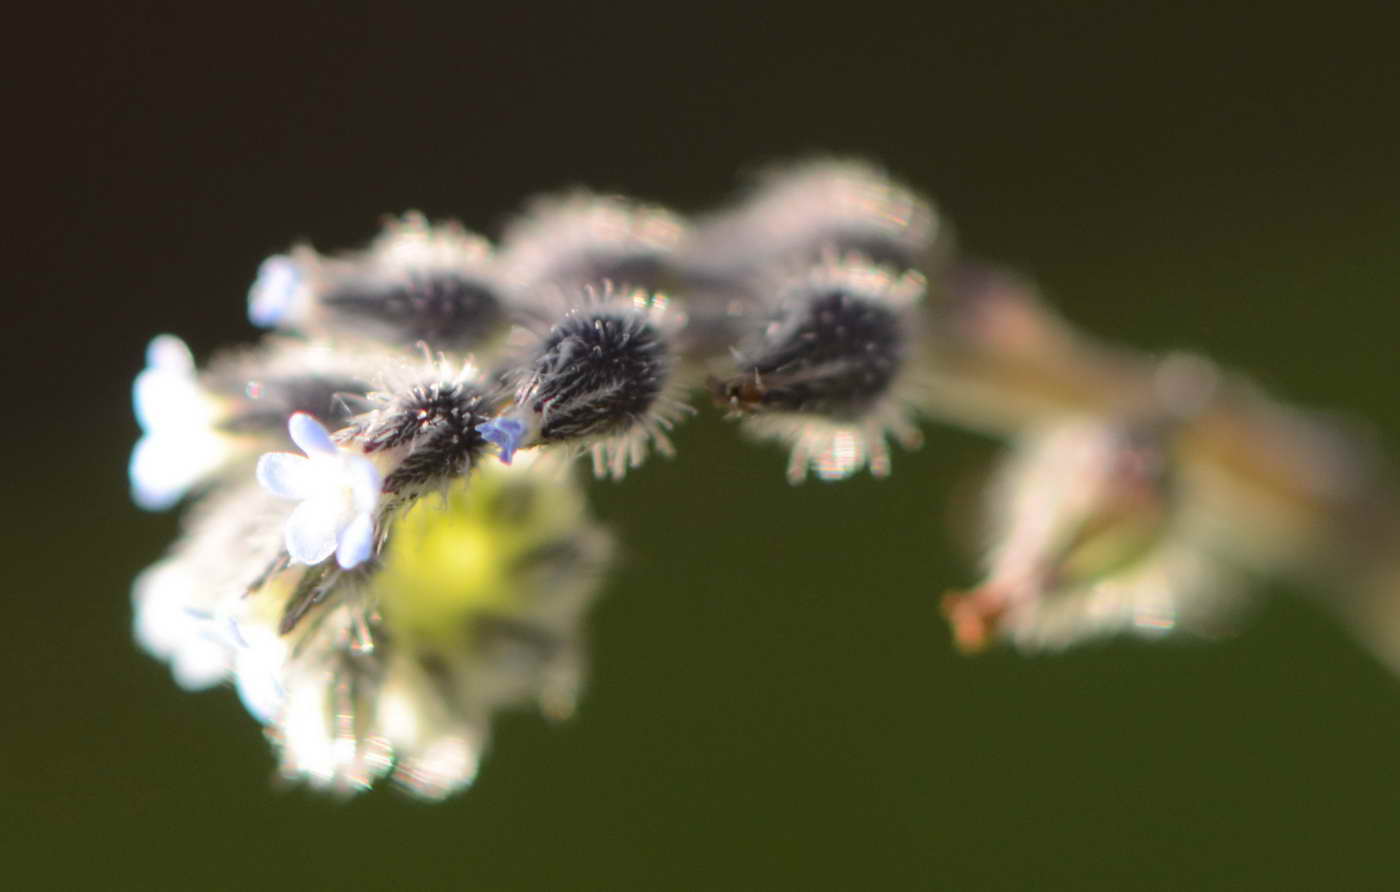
column 308, row 730
column 170, row 625
column 163, row 398
column 312, row 530
column 170, row 354
column 310, row 435
column 165, row 466
column 201, row 663
column 258, row 685
column 399, row 713
column 365, row 482
column 276, row 292
column 442, row 767
column 356, row 542
column 159, row 596
column 286, row 475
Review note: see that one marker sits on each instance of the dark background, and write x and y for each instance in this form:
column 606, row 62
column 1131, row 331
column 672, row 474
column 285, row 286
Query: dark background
column 775, row 703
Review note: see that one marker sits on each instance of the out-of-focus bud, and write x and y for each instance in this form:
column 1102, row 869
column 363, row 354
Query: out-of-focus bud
column 571, row 241
column 416, row 282
column 1093, row 532
column 829, row 370
column 799, row 212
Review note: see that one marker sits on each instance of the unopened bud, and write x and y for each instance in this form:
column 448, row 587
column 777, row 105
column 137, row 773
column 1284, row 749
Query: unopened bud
column 415, row 283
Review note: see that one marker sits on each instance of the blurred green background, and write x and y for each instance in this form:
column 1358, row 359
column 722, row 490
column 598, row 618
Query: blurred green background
column 774, row 701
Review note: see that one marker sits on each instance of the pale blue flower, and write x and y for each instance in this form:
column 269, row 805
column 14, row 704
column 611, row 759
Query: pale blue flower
column 179, row 446
column 338, row 490
column 507, row 433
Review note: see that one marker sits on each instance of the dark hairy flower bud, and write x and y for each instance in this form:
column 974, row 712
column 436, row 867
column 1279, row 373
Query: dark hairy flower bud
column 427, row 429
column 599, row 377
column 827, row 368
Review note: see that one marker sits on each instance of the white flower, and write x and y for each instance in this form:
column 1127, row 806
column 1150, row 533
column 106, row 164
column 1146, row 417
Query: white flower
column 171, row 624
column 338, row 490
column 278, row 293
column 179, row 446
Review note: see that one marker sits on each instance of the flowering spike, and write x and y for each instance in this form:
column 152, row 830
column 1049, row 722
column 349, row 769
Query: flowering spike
column 1137, row 494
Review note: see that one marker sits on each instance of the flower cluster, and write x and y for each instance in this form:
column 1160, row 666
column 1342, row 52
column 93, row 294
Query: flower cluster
column 387, row 541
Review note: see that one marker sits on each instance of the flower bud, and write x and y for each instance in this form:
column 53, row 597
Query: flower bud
column 601, row 378
column 415, row 282
column 829, row 370
column 423, row 428
column 582, row 239
column 801, row 212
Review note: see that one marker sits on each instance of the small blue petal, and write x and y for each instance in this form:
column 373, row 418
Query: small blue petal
column 506, row 433
column 273, row 293
column 357, row 542
column 310, row 435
